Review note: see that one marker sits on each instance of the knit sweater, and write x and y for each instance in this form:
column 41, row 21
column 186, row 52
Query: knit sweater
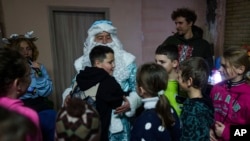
column 197, row 119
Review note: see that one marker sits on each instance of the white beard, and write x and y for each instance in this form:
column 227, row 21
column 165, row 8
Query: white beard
column 120, row 72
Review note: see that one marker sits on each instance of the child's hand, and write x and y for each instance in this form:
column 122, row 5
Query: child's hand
column 35, row 65
column 219, row 128
column 125, row 106
column 212, row 135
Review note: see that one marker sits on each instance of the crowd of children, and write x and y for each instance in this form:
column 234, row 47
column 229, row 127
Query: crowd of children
column 171, row 92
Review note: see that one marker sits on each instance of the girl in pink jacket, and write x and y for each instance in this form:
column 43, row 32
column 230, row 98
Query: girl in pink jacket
column 15, row 79
column 231, row 97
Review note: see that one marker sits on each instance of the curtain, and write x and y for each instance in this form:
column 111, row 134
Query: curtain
column 69, row 31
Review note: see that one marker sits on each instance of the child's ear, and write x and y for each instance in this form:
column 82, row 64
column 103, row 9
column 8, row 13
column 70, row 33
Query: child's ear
column 97, row 63
column 175, row 63
column 141, row 91
column 240, row 70
column 17, row 85
column 190, row 82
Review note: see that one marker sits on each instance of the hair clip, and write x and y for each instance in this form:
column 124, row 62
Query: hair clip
column 161, row 92
column 5, row 40
column 28, row 34
column 15, row 36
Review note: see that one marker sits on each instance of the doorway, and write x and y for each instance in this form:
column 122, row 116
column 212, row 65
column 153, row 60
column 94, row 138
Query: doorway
column 68, row 31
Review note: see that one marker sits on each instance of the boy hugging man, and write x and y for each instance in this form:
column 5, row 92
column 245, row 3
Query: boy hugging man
column 109, row 94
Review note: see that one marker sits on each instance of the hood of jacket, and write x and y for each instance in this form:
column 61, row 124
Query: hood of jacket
column 90, row 76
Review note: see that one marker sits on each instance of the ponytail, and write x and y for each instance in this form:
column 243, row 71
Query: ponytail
column 164, row 111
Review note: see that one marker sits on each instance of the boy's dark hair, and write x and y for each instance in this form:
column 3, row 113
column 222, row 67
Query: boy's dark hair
column 99, row 53
column 171, row 51
column 188, row 14
column 196, row 68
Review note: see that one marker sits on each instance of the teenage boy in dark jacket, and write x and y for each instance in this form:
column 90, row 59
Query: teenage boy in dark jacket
column 189, row 37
